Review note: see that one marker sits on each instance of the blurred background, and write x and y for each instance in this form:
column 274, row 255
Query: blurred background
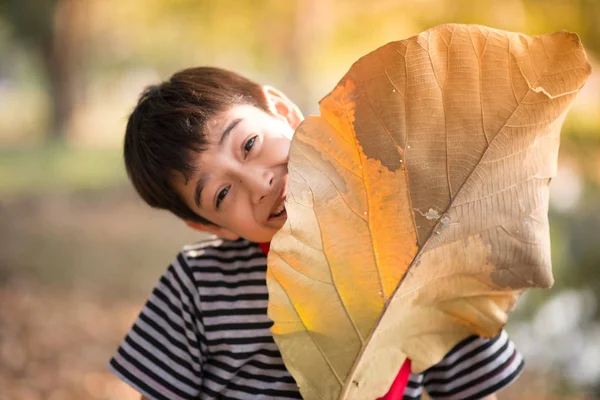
column 79, row 252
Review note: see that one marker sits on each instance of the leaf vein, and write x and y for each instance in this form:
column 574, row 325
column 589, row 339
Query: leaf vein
column 306, row 328
column 300, row 272
column 338, row 191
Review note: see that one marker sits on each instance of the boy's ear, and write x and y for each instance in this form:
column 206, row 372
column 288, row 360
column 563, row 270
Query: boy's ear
column 281, row 106
column 213, row 229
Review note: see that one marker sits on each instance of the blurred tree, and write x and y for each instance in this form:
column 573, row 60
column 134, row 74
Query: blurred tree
column 53, row 31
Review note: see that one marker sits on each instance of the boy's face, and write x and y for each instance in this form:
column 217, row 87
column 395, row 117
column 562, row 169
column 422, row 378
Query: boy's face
column 241, row 179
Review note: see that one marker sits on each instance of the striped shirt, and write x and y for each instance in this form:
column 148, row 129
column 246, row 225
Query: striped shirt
column 204, row 334
column 473, row 369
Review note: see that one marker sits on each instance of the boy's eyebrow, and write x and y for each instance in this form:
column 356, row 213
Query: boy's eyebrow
column 202, row 179
column 228, row 130
column 198, row 190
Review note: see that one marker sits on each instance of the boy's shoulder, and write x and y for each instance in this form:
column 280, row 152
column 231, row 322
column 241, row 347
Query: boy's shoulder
column 220, row 249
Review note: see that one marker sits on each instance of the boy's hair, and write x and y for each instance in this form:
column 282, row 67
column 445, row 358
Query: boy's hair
column 167, row 128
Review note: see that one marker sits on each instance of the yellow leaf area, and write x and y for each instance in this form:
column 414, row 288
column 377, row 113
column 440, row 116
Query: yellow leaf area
column 338, row 263
column 417, row 204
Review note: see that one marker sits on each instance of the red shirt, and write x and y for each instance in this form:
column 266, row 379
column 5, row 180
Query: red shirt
column 397, row 389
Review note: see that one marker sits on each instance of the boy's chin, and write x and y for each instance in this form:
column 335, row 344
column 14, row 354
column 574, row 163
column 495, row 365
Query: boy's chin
column 266, row 235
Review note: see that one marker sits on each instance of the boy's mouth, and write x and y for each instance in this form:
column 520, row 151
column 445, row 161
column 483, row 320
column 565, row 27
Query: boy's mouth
column 278, row 212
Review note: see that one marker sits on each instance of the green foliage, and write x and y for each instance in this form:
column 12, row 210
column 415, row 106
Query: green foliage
column 58, row 167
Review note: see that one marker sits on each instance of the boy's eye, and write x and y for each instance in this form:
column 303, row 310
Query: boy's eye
column 249, row 144
column 221, row 195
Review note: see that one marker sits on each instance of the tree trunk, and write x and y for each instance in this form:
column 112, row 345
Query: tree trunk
column 310, row 28
column 62, row 56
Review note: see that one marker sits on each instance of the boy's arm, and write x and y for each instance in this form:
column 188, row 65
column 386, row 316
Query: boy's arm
column 476, row 368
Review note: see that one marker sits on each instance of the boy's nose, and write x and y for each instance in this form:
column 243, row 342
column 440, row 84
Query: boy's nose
column 261, row 183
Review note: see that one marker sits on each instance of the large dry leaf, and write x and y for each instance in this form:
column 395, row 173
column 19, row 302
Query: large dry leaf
column 421, row 192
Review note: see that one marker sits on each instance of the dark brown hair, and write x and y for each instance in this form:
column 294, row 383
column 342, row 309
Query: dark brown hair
column 167, row 129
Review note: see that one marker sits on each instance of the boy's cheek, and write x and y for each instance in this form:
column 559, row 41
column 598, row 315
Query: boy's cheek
column 282, row 145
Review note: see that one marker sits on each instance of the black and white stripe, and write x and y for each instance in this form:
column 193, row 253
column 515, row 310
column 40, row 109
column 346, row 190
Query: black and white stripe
column 204, row 334
column 473, row 369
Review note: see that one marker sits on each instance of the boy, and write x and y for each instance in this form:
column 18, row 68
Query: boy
column 212, row 147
